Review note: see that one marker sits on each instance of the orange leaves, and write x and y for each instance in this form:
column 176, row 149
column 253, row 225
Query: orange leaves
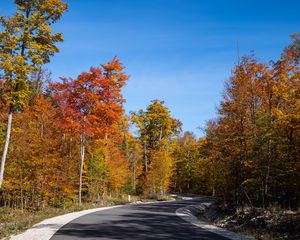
column 256, row 132
column 118, row 169
column 91, row 101
column 90, row 106
column 114, row 66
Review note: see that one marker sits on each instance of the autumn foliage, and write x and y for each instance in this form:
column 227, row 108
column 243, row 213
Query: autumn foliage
column 47, row 164
column 70, row 141
column 250, row 154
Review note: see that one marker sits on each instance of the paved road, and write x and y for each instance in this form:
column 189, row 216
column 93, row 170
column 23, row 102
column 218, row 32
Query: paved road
column 143, row 221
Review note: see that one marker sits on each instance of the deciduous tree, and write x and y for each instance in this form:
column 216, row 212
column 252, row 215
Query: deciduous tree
column 26, row 43
column 90, row 105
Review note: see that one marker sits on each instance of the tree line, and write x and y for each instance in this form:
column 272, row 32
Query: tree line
column 70, row 141
column 250, row 152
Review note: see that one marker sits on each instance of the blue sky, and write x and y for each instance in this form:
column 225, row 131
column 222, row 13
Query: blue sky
column 179, row 51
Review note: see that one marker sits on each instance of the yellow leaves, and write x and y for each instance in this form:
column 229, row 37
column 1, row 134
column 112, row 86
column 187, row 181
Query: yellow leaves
column 17, row 130
column 278, row 113
column 160, row 171
column 156, row 128
column 7, row 64
column 156, row 123
column 28, row 44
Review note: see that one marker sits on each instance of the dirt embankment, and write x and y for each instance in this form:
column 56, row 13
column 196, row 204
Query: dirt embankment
column 262, row 224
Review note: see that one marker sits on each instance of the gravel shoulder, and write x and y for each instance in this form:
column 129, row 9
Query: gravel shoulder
column 191, row 214
column 47, row 228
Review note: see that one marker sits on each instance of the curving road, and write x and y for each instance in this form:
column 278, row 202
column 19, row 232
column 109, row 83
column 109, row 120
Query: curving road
column 142, row 221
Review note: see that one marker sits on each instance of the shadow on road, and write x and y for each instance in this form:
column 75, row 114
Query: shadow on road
column 145, row 221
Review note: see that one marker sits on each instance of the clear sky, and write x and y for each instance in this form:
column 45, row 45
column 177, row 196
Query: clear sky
column 179, row 51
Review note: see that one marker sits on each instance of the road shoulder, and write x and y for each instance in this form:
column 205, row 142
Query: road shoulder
column 189, row 213
column 47, row 228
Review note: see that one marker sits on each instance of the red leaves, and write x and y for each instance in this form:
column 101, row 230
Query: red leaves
column 91, row 102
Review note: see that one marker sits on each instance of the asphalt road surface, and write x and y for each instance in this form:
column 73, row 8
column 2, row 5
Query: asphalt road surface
column 142, row 221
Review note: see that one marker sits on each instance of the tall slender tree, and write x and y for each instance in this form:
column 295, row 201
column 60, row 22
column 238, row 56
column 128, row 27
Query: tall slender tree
column 26, row 43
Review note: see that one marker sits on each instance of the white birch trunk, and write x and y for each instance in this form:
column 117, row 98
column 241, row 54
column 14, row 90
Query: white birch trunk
column 4, row 154
column 82, row 150
column 146, row 160
column 134, row 175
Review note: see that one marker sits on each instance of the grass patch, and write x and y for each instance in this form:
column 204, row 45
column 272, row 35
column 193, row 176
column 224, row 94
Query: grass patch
column 14, row 221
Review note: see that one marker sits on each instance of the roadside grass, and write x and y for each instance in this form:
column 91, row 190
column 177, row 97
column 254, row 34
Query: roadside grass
column 14, row 221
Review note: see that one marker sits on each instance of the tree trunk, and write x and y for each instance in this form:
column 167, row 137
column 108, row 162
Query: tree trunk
column 160, row 134
column 146, row 160
column 22, row 190
column 4, row 154
column 70, row 147
column 82, row 150
column 134, row 175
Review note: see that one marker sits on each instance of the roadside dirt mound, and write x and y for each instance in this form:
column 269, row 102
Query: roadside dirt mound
column 261, row 223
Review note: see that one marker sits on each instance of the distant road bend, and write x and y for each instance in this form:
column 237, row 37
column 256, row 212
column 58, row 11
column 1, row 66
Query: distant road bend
column 143, row 221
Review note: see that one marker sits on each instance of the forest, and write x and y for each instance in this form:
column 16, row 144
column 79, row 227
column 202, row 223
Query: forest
column 70, row 141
